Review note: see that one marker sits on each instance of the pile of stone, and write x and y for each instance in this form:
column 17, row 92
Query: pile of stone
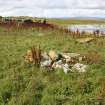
column 66, row 61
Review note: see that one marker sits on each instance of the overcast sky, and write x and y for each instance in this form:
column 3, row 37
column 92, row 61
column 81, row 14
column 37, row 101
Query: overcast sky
column 53, row 8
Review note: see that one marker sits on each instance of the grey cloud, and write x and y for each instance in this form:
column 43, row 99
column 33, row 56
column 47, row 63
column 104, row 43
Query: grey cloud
column 48, row 8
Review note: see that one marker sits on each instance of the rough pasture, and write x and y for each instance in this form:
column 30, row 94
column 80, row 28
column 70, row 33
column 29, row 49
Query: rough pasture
column 29, row 24
column 24, row 84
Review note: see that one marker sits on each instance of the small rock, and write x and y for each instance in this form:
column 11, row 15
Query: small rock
column 80, row 67
column 66, row 68
column 45, row 56
column 69, row 57
column 82, row 58
column 53, row 55
column 57, row 64
column 46, row 63
column 73, row 55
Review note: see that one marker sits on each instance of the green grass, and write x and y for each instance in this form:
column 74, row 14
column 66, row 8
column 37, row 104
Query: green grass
column 75, row 21
column 24, row 84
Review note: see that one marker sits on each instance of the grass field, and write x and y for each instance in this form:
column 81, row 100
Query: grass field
column 75, row 21
column 24, row 84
